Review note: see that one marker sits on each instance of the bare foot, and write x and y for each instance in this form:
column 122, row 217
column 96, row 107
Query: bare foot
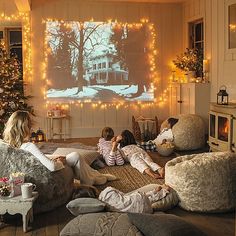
column 152, row 174
column 157, row 189
column 161, row 172
column 167, row 187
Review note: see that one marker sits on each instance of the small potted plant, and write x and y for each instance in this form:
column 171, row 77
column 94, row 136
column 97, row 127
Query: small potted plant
column 191, row 62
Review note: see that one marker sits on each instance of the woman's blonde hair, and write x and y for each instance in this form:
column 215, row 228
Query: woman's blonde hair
column 17, row 129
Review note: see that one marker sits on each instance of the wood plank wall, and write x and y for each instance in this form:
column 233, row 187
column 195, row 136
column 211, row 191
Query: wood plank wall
column 222, row 61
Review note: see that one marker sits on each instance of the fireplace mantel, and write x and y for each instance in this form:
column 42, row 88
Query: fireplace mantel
column 222, row 127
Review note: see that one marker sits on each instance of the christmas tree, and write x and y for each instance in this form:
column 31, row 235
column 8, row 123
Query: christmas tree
column 12, row 96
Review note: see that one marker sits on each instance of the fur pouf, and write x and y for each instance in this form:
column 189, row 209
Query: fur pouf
column 189, row 132
column 54, row 188
column 204, row 182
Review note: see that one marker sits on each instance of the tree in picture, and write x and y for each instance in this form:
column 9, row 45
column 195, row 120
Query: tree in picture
column 12, row 96
column 132, row 52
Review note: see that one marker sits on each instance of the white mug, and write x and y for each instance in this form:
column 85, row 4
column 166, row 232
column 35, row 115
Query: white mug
column 27, row 190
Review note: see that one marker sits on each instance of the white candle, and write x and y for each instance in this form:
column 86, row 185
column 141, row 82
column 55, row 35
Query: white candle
column 205, row 66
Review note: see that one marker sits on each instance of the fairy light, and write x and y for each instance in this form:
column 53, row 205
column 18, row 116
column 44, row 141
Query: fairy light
column 153, row 75
column 24, row 17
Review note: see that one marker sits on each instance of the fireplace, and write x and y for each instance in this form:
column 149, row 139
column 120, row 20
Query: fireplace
column 222, row 127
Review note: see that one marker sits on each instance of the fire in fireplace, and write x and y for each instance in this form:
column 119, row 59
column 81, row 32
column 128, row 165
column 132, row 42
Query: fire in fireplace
column 222, row 127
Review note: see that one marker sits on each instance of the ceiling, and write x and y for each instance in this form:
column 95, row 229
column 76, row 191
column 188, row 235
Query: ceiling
column 151, row 1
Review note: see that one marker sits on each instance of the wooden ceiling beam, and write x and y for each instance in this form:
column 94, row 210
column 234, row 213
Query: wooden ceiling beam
column 23, row 5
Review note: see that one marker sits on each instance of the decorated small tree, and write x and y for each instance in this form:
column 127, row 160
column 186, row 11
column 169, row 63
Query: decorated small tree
column 12, row 96
column 190, row 60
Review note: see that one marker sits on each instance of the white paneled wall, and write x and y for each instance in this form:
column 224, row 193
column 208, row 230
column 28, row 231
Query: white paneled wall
column 222, row 61
column 87, row 121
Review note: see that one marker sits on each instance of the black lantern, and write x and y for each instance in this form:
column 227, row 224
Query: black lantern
column 222, row 96
column 40, row 135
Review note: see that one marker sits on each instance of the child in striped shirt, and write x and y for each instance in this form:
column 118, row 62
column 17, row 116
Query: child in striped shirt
column 107, row 146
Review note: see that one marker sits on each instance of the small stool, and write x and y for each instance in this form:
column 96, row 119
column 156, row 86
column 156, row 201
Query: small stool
column 19, row 205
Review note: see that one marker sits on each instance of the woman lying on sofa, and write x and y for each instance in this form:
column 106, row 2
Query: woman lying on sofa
column 17, row 135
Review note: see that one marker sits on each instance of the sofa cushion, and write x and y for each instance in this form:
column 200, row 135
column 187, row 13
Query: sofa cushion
column 85, row 205
column 107, row 223
column 163, row 224
column 89, row 155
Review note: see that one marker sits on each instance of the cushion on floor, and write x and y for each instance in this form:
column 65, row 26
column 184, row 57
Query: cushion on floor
column 85, row 205
column 115, row 224
column 163, row 225
column 164, row 204
column 204, row 182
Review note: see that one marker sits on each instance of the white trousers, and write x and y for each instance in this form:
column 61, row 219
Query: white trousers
column 142, row 162
column 84, row 172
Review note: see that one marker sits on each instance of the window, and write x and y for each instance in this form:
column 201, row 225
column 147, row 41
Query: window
column 1, row 35
column 104, row 65
column 99, row 65
column 14, row 42
column 94, row 66
column 196, row 35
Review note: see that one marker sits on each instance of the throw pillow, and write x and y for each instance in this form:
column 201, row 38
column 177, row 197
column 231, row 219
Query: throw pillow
column 163, row 224
column 106, row 223
column 85, row 205
column 89, row 155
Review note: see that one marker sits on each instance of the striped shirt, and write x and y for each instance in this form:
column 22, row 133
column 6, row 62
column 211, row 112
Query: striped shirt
column 111, row 158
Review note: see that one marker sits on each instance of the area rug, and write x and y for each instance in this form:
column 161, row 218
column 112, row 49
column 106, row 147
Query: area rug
column 49, row 148
column 129, row 178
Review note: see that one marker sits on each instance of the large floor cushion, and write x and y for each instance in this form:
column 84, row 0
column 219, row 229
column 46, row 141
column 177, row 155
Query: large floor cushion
column 189, row 132
column 106, row 223
column 54, row 188
column 204, row 182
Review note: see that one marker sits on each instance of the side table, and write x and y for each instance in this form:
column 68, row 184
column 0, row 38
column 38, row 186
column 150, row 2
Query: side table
column 19, row 205
column 62, row 129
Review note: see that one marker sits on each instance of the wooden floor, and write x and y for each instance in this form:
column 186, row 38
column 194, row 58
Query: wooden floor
column 51, row 223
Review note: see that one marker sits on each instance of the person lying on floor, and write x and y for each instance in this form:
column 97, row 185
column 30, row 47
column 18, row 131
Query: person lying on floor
column 17, row 135
column 137, row 157
column 165, row 135
column 136, row 202
column 107, row 147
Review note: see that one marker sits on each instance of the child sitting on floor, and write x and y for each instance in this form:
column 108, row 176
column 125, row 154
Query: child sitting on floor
column 107, row 146
column 165, row 135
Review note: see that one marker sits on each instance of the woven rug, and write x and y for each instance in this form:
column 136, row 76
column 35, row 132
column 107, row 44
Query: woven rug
column 129, row 178
column 49, row 148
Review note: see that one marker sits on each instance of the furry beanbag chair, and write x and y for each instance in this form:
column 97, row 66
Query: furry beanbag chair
column 189, row 132
column 54, row 188
column 204, row 182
